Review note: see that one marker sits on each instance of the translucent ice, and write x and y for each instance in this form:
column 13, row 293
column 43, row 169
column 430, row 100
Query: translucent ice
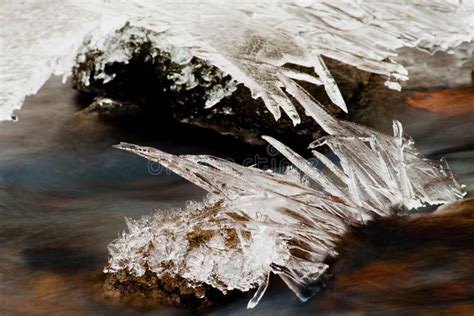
column 251, row 41
column 257, row 222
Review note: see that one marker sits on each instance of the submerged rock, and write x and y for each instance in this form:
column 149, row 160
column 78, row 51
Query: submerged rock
column 405, row 265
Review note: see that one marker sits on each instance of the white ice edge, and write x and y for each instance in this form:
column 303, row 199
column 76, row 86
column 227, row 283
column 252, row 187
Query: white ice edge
column 265, row 35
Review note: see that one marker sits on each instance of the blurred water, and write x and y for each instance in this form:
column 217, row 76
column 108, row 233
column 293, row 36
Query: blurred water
column 64, row 193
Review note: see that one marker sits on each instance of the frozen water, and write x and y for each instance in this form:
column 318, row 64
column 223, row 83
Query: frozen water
column 184, row 74
column 251, row 41
column 39, row 39
column 257, row 222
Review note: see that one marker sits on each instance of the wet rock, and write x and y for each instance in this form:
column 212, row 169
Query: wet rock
column 112, row 111
column 463, row 207
column 414, row 265
column 149, row 291
column 447, row 102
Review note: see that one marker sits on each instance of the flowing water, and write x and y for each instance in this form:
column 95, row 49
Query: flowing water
column 64, row 193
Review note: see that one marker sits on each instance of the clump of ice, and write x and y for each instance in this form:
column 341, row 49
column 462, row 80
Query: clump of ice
column 250, row 41
column 287, row 224
column 176, row 64
column 253, row 41
column 200, row 249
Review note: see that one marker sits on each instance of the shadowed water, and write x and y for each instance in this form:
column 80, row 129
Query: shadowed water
column 64, row 193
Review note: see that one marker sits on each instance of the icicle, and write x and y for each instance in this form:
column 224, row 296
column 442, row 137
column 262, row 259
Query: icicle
column 329, row 83
column 259, row 293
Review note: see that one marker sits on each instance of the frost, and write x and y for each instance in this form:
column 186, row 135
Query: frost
column 258, row 222
column 250, row 41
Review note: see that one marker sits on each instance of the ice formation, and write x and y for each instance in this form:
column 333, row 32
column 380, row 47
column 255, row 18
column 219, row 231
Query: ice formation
column 39, row 39
column 259, row 222
column 182, row 71
column 250, row 41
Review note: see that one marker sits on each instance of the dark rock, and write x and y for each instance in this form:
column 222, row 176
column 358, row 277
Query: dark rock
column 149, row 291
column 148, row 79
column 109, row 110
column 420, row 264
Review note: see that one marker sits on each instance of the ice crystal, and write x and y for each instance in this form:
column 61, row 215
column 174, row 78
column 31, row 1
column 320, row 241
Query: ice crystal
column 262, row 222
column 257, row 222
column 250, row 41
column 182, row 72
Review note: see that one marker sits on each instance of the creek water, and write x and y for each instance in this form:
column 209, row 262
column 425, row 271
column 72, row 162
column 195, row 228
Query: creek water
column 64, row 193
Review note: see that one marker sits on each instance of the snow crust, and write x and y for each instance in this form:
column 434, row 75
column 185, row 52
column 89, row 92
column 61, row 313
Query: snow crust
column 251, row 41
column 258, row 222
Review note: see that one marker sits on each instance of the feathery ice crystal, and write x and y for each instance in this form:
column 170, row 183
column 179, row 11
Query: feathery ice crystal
column 258, row 222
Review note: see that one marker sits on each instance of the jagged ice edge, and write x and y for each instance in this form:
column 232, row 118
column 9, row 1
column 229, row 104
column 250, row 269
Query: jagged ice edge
column 249, row 41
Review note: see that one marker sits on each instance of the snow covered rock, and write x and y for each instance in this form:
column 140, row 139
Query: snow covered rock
column 133, row 66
